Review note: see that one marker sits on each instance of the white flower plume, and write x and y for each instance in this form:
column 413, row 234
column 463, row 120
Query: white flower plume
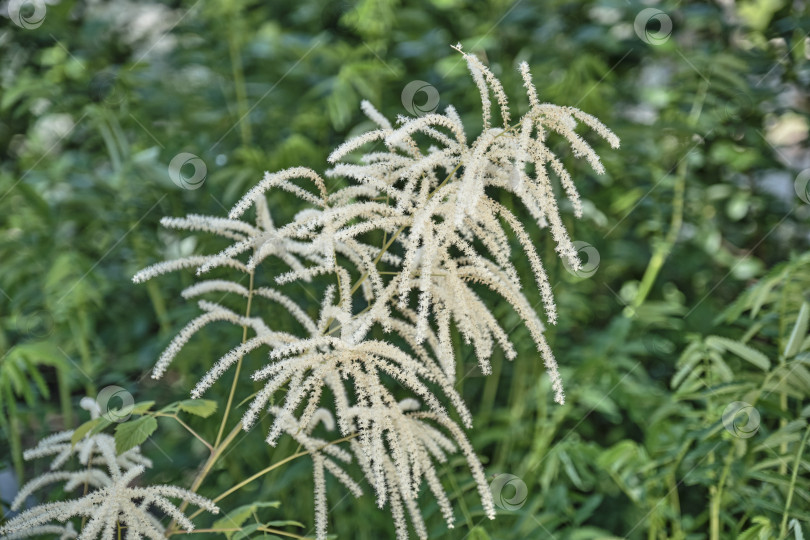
column 109, row 504
column 415, row 242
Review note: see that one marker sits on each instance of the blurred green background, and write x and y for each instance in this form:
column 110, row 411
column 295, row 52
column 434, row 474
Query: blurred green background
column 700, row 226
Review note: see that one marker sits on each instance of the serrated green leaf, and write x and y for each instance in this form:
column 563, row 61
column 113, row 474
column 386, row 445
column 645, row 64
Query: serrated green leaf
column 130, row 434
column 141, row 407
column 198, row 407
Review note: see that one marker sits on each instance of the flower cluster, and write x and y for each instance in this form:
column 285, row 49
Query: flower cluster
column 426, row 192
column 109, row 505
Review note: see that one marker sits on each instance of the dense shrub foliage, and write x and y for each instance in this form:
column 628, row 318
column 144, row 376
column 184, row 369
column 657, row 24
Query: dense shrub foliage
column 682, row 339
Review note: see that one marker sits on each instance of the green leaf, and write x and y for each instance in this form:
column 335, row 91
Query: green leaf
column 761, row 528
column 130, row 434
column 198, row 407
column 740, row 349
column 796, row 528
column 238, row 516
column 141, row 407
column 799, row 331
column 285, row 523
column 245, row 532
column 478, row 533
column 83, row 429
column 789, row 434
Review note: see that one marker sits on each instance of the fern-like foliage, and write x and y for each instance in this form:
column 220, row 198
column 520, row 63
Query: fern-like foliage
column 751, row 388
column 428, row 192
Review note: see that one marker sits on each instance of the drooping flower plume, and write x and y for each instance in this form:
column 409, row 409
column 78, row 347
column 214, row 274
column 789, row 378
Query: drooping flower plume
column 110, row 501
column 414, row 243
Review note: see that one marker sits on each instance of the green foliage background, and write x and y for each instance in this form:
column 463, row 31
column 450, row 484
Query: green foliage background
column 702, row 240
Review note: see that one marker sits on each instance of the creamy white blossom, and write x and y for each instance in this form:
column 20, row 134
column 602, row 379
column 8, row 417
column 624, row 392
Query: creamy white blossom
column 414, row 243
column 108, row 501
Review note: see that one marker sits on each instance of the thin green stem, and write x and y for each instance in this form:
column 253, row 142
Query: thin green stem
column 188, row 428
column 237, row 529
column 218, row 449
column 796, row 464
column 268, row 469
column 238, row 364
column 663, row 250
column 716, row 500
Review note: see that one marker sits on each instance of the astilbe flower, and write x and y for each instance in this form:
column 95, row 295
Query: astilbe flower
column 446, row 240
column 108, row 503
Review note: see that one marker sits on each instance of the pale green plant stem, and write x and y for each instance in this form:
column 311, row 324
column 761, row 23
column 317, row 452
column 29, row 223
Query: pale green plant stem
column 677, row 532
column 261, row 529
column 265, row 471
column 796, row 464
column 783, row 401
column 464, row 510
column 238, row 364
column 221, row 444
column 717, row 499
column 663, row 250
column 188, row 428
column 215, row 454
